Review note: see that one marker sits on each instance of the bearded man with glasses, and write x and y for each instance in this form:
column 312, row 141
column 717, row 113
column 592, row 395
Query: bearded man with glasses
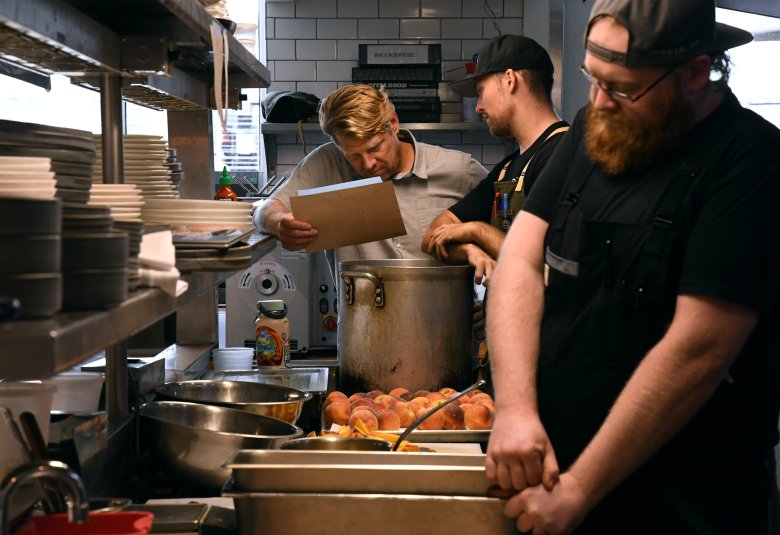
column 634, row 316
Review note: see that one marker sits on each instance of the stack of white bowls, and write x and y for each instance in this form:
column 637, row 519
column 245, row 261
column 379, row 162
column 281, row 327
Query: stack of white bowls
column 232, row 358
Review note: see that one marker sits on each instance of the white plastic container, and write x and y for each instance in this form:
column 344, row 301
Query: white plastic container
column 21, row 396
column 77, row 391
column 232, row 358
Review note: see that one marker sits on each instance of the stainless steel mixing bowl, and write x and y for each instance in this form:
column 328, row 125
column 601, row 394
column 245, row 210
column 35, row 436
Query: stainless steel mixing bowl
column 192, row 440
column 276, row 401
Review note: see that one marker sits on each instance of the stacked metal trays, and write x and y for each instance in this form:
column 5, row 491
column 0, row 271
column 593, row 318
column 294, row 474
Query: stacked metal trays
column 350, row 492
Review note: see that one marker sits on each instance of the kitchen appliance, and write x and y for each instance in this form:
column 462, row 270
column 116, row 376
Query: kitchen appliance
column 404, row 323
column 303, row 281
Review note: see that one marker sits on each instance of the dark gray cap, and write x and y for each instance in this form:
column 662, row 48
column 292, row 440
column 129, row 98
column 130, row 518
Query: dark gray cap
column 501, row 53
column 664, row 32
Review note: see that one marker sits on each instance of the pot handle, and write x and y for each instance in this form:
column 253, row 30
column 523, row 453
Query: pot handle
column 349, row 294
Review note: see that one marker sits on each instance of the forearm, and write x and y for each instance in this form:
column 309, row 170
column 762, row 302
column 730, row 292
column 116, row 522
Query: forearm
column 488, row 237
column 269, row 215
column 672, row 383
column 515, row 304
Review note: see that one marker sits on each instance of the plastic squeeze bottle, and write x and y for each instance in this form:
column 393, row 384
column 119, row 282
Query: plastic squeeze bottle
column 272, row 334
column 225, row 192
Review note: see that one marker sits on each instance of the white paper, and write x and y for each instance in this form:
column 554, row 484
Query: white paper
column 343, row 185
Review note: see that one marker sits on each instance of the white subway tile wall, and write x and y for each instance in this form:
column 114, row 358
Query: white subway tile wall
column 312, row 46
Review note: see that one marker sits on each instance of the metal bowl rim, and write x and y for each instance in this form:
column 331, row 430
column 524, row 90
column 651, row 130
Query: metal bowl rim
column 162, row 390
column 211, row 408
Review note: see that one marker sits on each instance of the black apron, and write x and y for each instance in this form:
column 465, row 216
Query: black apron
column 603, row 312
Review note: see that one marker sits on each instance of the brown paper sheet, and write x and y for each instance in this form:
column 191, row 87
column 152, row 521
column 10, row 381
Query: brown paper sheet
column 350, row 216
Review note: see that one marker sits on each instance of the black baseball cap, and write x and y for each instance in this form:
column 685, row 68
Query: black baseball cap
column 501, row 53
column 664, row 32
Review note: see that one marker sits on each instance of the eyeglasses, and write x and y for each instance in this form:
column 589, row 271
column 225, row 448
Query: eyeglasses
column 616, row 94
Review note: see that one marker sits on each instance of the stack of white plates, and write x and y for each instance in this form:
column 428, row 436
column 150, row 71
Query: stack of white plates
column 145, row 159
column 27, row 177
column 71, row 154
column 246, row 33
column 192, row 212
column 124, row 200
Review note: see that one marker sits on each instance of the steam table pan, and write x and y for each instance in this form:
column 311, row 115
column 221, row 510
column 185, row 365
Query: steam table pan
column 357, row 514
column 359, row 472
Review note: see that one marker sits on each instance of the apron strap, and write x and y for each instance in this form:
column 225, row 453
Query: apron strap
column 662, row 221
column 564, row 238
column 521, row 178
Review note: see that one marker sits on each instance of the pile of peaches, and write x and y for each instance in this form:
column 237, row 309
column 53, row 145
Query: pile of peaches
column 400, row 407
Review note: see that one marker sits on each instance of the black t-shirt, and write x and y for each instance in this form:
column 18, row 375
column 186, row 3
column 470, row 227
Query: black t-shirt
column 729, row 215
column 477, row 205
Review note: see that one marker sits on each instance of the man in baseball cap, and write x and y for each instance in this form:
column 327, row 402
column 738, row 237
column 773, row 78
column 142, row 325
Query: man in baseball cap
column 504, row 52
column 513, row 80
column 635, row 306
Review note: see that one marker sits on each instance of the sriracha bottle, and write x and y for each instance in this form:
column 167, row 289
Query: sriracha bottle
column 225, row 192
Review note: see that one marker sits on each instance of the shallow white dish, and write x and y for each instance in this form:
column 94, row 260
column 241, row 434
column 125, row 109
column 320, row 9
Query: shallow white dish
column 28, row 193
column 27, row 182
column 199, row 203
column 99, row 186
column 23, row 176
column 133, row 202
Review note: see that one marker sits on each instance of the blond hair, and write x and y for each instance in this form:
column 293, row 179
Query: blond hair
column 356, row 111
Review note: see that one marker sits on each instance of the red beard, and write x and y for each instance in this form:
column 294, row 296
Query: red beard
column 620, row 144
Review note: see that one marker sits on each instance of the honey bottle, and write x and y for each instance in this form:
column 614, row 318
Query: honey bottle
column 225, row 192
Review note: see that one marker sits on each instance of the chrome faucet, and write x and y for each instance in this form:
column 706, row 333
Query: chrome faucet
column 69, row 482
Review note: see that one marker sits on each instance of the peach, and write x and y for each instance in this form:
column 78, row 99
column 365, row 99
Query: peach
column 448, row 392
column 465, row 406
column 405, row 413
column 434, row 422
column 374, row 393
column 334, row 395
column 421, row 393
column 337, row 412
column 363, row 402
column 453, row 417
column 368, row 417
column 399, row 391
column 386, row 402
column 415, row 406
column 489, row 403
column 388, row 419
column 421, row 400
column 434, row 396
column 480, row 395
column 356, row 396
column 478, row 417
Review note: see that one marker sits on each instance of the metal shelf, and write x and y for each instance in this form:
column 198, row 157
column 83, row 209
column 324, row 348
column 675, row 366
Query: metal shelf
column 292, row 128
column 41, row 348
column 152, row 43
